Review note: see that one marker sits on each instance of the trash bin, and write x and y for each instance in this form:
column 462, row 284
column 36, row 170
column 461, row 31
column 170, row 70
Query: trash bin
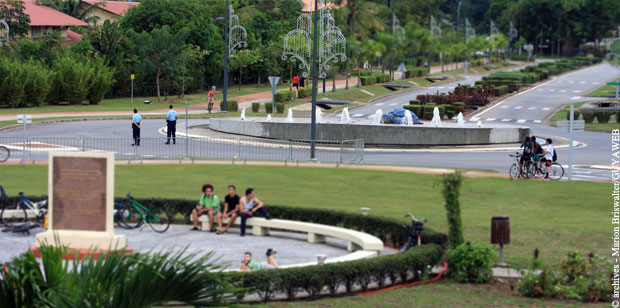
column 500, row 230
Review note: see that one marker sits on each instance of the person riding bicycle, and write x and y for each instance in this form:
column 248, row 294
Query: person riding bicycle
column 527, row 152
column 537, row 151
column 211, row 99
column 547, row 157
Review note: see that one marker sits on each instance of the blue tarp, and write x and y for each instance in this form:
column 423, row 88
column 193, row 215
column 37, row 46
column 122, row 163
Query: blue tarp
column 397, row 115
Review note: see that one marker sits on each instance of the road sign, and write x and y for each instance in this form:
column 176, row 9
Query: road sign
column 132, row 77
column 24, row 119
column 402, row 68
column 577, row 124
column 613, row 83
column 274, row 81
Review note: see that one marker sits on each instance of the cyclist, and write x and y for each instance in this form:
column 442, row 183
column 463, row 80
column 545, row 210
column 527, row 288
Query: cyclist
column 211, row 99
column 537, row 152
column 547, row 157
column 527, row 152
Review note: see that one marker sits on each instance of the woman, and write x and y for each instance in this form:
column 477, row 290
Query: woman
column 211, row 99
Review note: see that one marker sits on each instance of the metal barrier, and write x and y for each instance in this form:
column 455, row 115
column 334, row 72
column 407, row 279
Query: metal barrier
column 348, row 151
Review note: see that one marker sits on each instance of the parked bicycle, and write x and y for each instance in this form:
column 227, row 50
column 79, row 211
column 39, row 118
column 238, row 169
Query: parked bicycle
column 131, row 214
column 5, row 153
column 556, row 171
column 16, row 214
column 415, row 232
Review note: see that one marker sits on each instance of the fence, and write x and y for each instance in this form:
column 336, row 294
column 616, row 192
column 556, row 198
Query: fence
column 347, row 151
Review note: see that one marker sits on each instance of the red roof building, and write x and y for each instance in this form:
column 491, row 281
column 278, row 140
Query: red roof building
column 108, row 10
column 43, row 18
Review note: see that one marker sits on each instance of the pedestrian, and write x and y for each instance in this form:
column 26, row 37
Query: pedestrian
column 302, row 81
column 136, row 124
column 171, row 119
column 249, row 206
column 211, row 99
column 296, row 81
column 548, row 157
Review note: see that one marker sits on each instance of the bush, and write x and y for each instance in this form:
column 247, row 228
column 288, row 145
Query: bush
column 256, row 107
column 280, row 108
column 451, row 186
column 304, row 92
column 603, row 116
column 576, row 115
column 36, row 84
column 618, row 117
column 414, row 102
column 73, row 79
column 284, row 96
column 368, row 80
column 232, row 106
column 588, row 116
column 460, row 106
column 268, row 108
column 538, row 284
column 472, row 262
column 416, row 109
column 100, row 82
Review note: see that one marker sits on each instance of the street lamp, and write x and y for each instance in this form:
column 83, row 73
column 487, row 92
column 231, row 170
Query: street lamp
column 235, row 31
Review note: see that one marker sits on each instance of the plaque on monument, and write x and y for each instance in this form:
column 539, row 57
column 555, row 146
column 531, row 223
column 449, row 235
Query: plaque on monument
column 81, row 202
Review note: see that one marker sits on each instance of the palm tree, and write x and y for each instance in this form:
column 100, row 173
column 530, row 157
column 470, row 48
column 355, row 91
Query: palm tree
column 72, row 8
column 118, row 280
column 361, row 17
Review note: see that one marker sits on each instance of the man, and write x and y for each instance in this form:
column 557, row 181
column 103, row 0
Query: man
column 210, row 204
column 249, row 264
column 249, row 206
column 302, row 81
column 548, row 157
column 296, row 82
column 135, row 126
column 231, row 206
column 537, row 152
column 526, row 155
column 171, row 119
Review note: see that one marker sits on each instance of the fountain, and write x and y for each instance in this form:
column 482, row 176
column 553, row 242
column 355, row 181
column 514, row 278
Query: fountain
column 479, row 124
column 436, row 121
column 289, row 116
column 408, row 119
column 319, row 116
column 242, row 114
column 269, row 118
column 344, row 116
column 378, row 117
column 459, row 120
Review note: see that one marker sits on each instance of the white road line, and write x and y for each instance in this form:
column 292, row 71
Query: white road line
column 541, row 89
column 440, row 87
column 546, row 108
column 379, row 104
column 531, row 108
column 504, row 107
column 490, row 119
column 575, row 97
column 501, row 102
column 562, row 90
column 393, row 104
column 519, row 107
column 521, row 121
column 358, row 115
column 537, row 121
column 589, row 177
column 572, row 81
column 582, row 82
column 596, row 82
column 432, row 87
column 506, row 120
column 576, row 91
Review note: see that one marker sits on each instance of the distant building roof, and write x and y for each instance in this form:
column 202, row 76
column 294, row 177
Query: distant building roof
column 115, row 7
column 41, row 15
column 73, row 37
column 309, row 5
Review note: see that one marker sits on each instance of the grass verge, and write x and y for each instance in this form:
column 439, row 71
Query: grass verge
column 562, row 114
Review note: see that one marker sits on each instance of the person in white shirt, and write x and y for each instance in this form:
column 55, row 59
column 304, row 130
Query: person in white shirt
column 171, row 120
column 547, row 157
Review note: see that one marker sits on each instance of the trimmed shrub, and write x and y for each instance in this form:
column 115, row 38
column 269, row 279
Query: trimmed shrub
column 451, row 186
column 618, row 117
column 576, row 115
column 73, row 78
column 284, row 96
column 268, row 108
column 232, row 106
column 588, row 116
column 472, row 262
column 304, row 92
column 427, row 112
column 416, row 109
column 368, row 80
column 280, row 108
column 460, row 106
column 414, row 102
column 603, row 116
column 256, row 107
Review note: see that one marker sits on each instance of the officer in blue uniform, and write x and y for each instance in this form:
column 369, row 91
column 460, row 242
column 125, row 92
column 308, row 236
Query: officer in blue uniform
column 171, row 119
column 135, row 126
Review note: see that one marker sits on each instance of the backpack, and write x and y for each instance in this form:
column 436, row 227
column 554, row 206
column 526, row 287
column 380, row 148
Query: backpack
column 3, row 197
column 555, row 155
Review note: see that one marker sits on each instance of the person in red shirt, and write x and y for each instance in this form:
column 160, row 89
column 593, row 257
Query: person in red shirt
column 211, row 99
column 296, row 82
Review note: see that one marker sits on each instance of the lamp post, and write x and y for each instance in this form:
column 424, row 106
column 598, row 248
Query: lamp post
column 327, row 44
column 235, row 37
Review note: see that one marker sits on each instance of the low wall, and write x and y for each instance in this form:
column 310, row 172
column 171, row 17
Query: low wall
column 373, row 134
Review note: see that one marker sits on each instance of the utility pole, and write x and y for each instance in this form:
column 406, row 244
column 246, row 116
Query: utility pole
column 224, row 105
column 315, row 82
column 392, row 31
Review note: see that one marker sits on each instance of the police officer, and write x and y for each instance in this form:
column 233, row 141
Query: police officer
column 171, row 119
column 135, row 126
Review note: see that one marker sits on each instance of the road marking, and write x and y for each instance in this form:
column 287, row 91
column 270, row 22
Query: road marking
column 379, row 104
column 432, row 87
column 582, row 82
column 521, row 121
column 504, row 107
column 576, row 91
column 531, row 108
column 596, row 82
column 552, row 90
column 518, row 107
column 506, row 120
column 547, row 108
column 541, row 89
column 368, row 93
column 440, row 87
column 476, row 117
column 562, row 90
column 575, row 97
column 572, row 81
column 393, row 104
column 490, row 119
column 537, row 121
column 358, row 115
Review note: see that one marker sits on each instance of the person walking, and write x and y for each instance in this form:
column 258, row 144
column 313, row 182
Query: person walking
column 136, row 124
column 171, row 119
column 296, row 81
column 211, row 99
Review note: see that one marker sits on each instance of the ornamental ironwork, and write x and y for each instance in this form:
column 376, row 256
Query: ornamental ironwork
column 613, row 51
column 238, row 37
column 331, row 44
column 4, row 33
column 397, row 30
column 435, row 28
column 470, row 32
column 512, row 32
column 494, row 33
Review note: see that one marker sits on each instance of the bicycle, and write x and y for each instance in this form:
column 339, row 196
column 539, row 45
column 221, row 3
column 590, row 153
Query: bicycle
column 556, row 171
column 133, row 214
column 415, row 232
column 517, row 170
column 5, row 153
column 15, row 214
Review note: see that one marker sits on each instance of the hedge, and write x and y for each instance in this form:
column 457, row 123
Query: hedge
column 284, row 96
column 255, row 107
column 416, row 72
column 232, row 106
column 304, row 92
column 603, row 116
column 280, row 108
column 268, row 107
column 416, row 109
column 368, row 80
column 414, row 102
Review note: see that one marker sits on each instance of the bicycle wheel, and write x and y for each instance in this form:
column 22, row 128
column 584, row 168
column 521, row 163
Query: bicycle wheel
column 556, row 171
column 514, row 172
column 159, row 219
column 4, row 154
column 130, row 217
column 13, row 215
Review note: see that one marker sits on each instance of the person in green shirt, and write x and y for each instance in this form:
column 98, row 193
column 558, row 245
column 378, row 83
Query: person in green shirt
column 210, row 204
column 249, row 264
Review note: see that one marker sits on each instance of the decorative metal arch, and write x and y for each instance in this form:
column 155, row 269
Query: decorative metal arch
column 332, row 43
column 238, row 37
column 613, row 51
column 512, row 32
column 469, row 31
column 494, row 31
column 399, row 31
column 4, row 33
column 435, row 28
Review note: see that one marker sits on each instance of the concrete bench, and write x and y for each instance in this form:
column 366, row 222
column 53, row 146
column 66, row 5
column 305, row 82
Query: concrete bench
column 317, row 233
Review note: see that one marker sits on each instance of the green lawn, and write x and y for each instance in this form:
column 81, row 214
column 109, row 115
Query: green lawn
column 604, row 91
column 440, row 294
column 561, row 115
column 553, row 216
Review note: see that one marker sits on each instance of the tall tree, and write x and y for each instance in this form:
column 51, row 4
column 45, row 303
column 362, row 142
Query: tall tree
column 159, row 51
column 244, row 58
column 13, row 12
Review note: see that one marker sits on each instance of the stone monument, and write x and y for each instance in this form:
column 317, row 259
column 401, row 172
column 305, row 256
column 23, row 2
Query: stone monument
column 81, row 202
